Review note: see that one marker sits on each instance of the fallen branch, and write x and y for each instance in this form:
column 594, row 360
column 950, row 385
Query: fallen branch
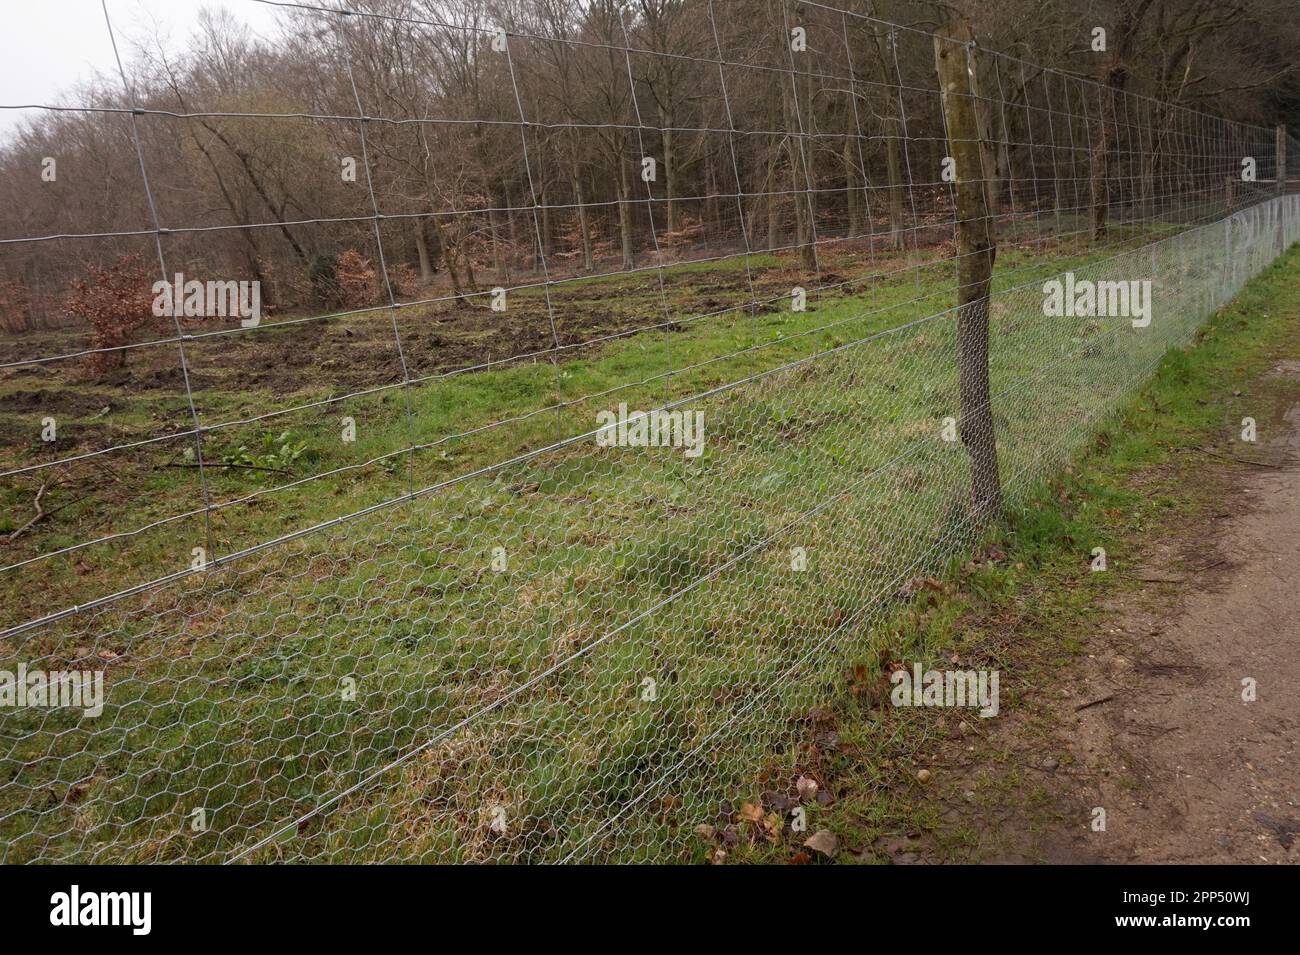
column 40, row 511
column 1235, row 460
column 242, row 467
column 1096, row 702
column 45, row 514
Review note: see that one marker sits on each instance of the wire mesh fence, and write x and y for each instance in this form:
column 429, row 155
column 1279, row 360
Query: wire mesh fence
column 414, row 567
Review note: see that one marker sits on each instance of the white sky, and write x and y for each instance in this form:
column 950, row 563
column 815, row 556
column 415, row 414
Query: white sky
column 48, row 46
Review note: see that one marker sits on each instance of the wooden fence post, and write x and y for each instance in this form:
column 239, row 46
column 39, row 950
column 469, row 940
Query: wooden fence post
column 954, row 57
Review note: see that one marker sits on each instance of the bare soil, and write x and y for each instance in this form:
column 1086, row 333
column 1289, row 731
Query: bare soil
column 1196, row 772
column 357, row 351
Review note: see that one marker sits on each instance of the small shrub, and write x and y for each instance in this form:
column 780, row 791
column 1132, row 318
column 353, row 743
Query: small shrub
column 357, row 280
column 405, row 279
column 343, row 282
column 323, row 275
column 15, row 306
column 116, row 302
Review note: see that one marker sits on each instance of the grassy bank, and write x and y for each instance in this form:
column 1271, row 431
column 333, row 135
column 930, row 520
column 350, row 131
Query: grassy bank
column 1026, row 600
column 582, row 652
column 473, row 407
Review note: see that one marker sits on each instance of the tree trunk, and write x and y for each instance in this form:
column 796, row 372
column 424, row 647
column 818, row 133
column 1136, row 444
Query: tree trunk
column 422, row 252
column 773, row 177
column 448, row 257
column 894, row 164
column 988, row 146
column 512, row 230
column 1007, row 148
column 670, row 168
column 268, row 291
column 892, row 127
column 583, row 229
column 1100, row 159
column 625, row 213
column 804, row 103
column 851, row 187
column 712, row 207
column 498, row 259
column 976, row 251
column 548, row 224
column 798, row 178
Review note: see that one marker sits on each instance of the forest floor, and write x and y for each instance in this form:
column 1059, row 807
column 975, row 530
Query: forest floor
column 1127, row 691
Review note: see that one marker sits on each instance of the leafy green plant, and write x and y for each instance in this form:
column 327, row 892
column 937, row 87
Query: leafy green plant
column 277, row 453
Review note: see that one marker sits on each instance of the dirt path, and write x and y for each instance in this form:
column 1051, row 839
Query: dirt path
column 1185, row 768
column 1217, row 778
column 1148, row 722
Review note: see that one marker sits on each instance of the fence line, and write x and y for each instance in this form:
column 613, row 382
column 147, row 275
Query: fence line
column 564, row 643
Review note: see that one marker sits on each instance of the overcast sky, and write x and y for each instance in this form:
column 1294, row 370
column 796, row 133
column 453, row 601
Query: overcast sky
column 48, row 46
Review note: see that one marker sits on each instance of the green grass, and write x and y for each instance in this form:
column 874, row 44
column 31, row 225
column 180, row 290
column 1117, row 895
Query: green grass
column 1133, row 484
column 704, row 354
column 522, row 690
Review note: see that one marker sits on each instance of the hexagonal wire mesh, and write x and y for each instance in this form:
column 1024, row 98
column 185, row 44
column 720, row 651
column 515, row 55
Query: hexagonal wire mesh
column 541, row 626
